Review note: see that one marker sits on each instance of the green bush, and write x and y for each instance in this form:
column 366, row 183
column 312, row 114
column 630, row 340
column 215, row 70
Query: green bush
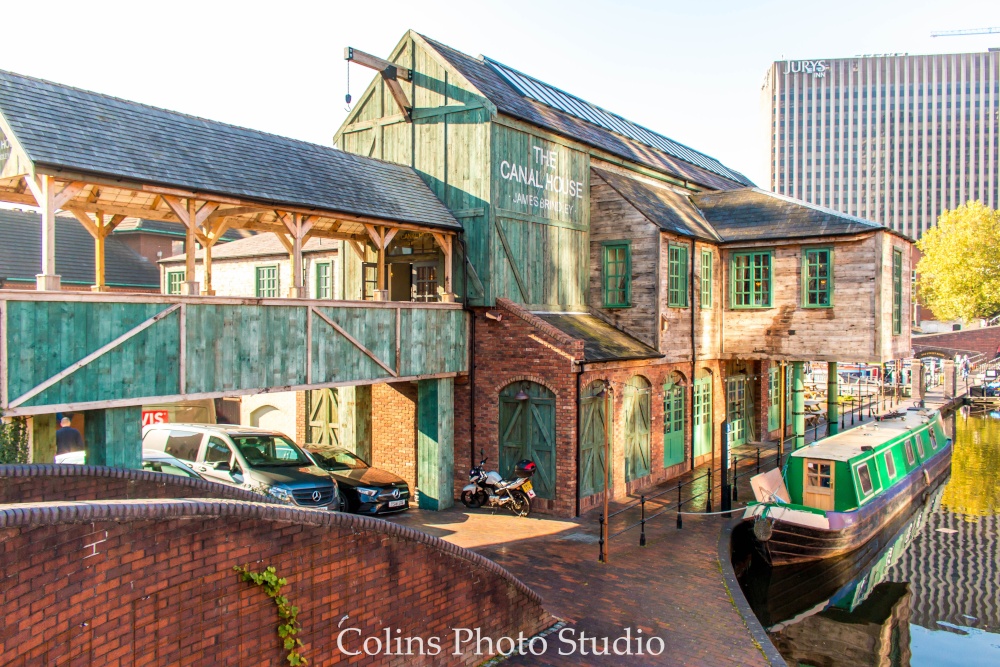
column 14, row 441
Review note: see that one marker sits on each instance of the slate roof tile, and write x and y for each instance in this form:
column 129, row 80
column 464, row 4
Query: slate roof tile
column 601, row 341
column 76, row 130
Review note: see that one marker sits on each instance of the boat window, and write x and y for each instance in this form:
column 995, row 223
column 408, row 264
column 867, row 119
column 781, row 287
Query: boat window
column 819, row 475
column 890, row 464
column 920, row 445
column 865, row 478
column 933, row 436
column 908, row 446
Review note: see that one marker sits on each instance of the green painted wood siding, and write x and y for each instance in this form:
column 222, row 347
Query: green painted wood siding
column 897, row 291
column 229, row 348
column 267, row 282
column 706, row 278
column 617, row 278
column 817, row 278
column 677, row 276
column 751, row 279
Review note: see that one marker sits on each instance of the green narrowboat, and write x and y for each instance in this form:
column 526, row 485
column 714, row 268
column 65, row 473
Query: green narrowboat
column 835, row 494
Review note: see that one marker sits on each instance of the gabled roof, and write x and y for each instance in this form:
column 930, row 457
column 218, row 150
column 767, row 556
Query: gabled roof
column 528, row 99
column 21, row 253
column 73, row 130
column 751, row 214
column 670, row 211
column 261, row 245
column 164, row 228
column 601, row 341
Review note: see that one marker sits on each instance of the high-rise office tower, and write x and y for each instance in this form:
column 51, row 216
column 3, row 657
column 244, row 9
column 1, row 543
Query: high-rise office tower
column 893, row 138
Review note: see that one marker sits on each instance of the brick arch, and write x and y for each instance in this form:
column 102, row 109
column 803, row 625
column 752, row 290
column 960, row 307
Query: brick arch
column 163, row 571
column 521, row 378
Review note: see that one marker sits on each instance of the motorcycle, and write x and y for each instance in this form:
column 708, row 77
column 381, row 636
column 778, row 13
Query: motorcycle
column 489, row 489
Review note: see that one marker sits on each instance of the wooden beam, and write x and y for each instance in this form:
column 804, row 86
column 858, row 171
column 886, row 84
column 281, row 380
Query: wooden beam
column 284, row 241
column 358, row 250
column 67, row 193
column 353, row 341
column 85, row 220
column 96, row 354
column 399, row 96
column 374, row 62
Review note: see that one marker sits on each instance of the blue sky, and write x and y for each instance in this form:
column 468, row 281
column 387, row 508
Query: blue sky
column 689, row 70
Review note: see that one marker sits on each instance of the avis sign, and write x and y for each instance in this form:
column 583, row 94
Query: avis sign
column 150, row 417
column 817, row 68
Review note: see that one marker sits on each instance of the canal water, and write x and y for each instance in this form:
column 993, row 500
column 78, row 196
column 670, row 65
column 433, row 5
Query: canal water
column 925, row 592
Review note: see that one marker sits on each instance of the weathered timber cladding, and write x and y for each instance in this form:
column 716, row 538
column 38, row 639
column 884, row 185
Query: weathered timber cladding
column 231, row 347
column 447, row 144
column 614, row 219
column 890, row 345
column 846, row 331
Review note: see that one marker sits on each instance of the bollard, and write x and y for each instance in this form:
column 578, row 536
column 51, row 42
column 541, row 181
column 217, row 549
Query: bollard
column 708, row 500
column 600, row 542
column 680, row 524
column 642, row 521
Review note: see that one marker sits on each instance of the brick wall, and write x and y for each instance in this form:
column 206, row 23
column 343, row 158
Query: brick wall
column 985, row 341
column 519, row 347
column 394, row 429
column 55, row 482
column 151, row 583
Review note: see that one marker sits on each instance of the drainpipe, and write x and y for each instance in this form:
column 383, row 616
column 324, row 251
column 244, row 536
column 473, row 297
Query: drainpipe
column 579, row 441
column 694, row 349
column 472, row 351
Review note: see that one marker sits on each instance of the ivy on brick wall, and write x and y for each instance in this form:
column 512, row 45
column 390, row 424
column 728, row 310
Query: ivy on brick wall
column 14, row 441
column 288, row 624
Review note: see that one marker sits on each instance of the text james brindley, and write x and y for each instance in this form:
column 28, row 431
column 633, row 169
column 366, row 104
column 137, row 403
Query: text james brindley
column 463, row 641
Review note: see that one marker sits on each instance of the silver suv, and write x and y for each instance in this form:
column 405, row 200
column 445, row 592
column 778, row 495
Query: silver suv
column 252, row 458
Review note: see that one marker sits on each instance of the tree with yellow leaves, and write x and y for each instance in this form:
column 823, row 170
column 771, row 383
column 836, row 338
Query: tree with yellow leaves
column 959, row 273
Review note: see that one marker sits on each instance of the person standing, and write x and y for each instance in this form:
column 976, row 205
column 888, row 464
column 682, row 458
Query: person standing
column 68, row 439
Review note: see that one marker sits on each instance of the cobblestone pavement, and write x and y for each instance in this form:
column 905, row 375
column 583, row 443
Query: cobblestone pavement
column 671, row 589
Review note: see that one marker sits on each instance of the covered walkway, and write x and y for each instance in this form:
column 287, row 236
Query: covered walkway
column 104, row 159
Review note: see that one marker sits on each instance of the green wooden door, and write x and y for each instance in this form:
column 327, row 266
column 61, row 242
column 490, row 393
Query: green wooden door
column 736, row 409
column 592, row 433
column 528, row 431
column 673, row 424
column 703, row 416
column 774, row 396
column 637, row 427
column 324, row 417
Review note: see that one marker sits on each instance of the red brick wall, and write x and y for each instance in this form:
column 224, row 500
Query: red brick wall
column 127, row 583
column 54, row 482
column 519, row 347
column 394, row 429
column 969, row 341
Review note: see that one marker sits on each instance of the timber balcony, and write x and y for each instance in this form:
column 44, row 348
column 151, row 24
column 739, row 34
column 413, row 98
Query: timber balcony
column 73, row 351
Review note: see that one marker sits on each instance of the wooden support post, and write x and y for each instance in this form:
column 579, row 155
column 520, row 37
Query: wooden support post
column 832, row 402
column 798, row 405
column 43, row 187
column 784, row 408
column 114, row 437
column 99, row 230
column 446, row 243
column 192, row 217
column 381, row 241
column 435, row 443
column 298, row 226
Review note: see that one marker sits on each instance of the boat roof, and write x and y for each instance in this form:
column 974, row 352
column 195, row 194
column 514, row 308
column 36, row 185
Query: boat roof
column 863, row 439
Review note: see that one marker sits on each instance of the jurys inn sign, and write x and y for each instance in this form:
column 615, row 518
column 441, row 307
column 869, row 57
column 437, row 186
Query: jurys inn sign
column 817, row 68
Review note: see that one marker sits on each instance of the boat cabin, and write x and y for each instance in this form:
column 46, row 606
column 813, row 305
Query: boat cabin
column 843, row 472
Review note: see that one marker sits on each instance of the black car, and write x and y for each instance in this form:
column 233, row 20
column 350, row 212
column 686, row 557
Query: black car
column 363, row 489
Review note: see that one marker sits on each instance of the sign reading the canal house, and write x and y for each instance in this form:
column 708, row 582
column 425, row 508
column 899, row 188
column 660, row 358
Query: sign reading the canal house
column 539, row 178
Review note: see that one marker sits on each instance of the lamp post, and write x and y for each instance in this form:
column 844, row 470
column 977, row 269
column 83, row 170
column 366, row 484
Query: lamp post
column 605, row 393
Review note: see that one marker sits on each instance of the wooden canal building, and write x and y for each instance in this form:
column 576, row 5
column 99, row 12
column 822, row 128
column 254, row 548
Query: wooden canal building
column 620, row 280
column 611, row 279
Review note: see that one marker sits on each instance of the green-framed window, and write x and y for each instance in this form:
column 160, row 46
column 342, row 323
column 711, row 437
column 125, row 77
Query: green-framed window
column 617, row 274
column 324, row 280
column 751, row 279
column 174, row 281
column 677, row 276
column 267, row 281
column 706, row 278
column 817, row 278
column 897, row 291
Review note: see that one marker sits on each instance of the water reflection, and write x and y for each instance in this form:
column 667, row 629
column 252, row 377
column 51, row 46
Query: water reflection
column 926, row 591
